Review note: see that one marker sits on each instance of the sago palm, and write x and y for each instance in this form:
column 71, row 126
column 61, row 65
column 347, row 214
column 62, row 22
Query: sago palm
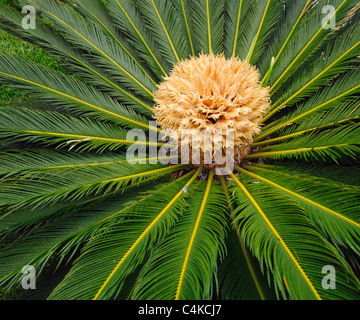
column 283, row 75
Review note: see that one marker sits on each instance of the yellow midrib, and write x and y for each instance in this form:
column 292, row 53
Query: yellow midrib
column 252, row 48
column 74, row 98
column 132, row 97
column 276, row 128
column 208, row 25
column 141, row 38
column 289, row 36
column 277, row 235
column 159, row 216
column 123, row 47
column 337, row 214
column 301, row 132
column 103, row 163
column 165, row 30
column 237, row 28
column 102, row 53
column 142, row 173
column 89, row 138
column 104, row 78
column 241, row 243
column 305, row 47
column 187, row 28
column 122, row 210
column 274, row 153
column 193, row 235
column 309, row 83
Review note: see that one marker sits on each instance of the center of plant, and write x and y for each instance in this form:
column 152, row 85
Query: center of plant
column 212, row 97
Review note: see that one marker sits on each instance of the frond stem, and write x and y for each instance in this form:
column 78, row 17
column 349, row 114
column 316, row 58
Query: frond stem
column 194, row 233
column 292, row 193
column 265, row 133
column 306, row 7
column 241, row 242
column 275, row 232
column 146, row 231
column 272, row 90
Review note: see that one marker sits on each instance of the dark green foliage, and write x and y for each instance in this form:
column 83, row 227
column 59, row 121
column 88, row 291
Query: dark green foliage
column 102, row 228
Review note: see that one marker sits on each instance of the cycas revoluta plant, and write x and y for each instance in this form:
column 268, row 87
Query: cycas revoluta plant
column 96, row 226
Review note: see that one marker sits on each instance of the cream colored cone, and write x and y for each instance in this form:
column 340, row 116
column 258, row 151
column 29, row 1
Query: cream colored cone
column 214, row 94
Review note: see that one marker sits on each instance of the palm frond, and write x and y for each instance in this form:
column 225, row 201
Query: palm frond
column 51, row 40
column 240, row 277
column 342, row 89
column 300, row 249
column 104, row 51
column 309, row 38
column 184, row 265
column 40, row 189
column 58, row 88
column 127, row 18
column 333, row 207
column 258, row 31
column 24, row 162
column 58, row 233
column 234, row 26
column 343, row 114
column 100, row 13
column 338, row 58
column 208, row 25
column 329, row 145
column 340, row 175
column 63, row 131
column 184, row 10
column 239, row 274
column 146, row 221
column 293, row 14
column 163, row 23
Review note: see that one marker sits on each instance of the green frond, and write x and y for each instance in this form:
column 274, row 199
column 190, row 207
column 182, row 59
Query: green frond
column 163, row 22
column 104, row 51
column 308, row 39
column 331, row 206
column 239, row 264
column 301, row 250
column 40, row 189
column 342, row 89
column 184, row 11
column 100, row 13
column 142, row 226
column 51, row 40
column 340, row 175
column 184, row 264
column 261, row 20
column 338, row 58
column 240, row 277
column 343, row 114
column 329, row 145
column 127, row 18
column 234, row 26
column 292, row 16
column 63, row 131
column 23, row 162
column 58, row 233
column 14, row 225
column 58, row 88
column 208, row 25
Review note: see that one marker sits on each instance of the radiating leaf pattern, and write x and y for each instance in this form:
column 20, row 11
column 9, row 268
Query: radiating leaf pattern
column 101, row 227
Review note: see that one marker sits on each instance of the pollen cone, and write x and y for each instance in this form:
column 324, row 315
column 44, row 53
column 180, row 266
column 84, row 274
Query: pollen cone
column 210, row 94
